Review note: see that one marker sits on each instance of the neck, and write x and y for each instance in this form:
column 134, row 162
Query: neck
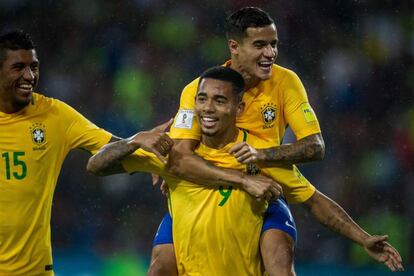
column 8, row 108
column 249, row 80
column 218, row 141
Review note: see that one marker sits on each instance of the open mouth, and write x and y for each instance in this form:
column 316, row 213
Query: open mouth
column 265, row 65
column 208, row 122
column 25, row 88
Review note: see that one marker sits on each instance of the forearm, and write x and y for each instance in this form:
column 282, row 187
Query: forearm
column 110, row 156
column 192, row 167
column 308, row 149
column 330, row 214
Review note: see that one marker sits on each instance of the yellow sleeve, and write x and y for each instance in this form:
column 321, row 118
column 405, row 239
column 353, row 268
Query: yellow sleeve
column 185, row 124
column 143, row 161
column 80, row 132
column 297, row 110
column 296, row 188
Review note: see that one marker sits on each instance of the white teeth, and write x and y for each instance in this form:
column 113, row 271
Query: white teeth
column 25, row 86
column 265, row 63
column 208, row 119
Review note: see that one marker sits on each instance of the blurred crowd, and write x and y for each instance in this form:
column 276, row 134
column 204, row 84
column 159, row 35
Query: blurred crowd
column 123, row 65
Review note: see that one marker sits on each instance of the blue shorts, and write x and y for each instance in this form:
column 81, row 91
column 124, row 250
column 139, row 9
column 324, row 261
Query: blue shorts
column 277, row 216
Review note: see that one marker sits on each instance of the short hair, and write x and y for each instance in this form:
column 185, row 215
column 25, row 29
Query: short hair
column 225, row 74
column 239, row 21
column 14, row 40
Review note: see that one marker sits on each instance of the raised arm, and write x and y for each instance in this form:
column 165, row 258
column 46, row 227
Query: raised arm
column 108, row 159
column 184, row 163
column 330, row 214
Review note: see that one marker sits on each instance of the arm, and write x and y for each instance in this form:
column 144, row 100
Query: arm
column 184, row 163
column 108, row 159
column 330, row 214
column 310, row 148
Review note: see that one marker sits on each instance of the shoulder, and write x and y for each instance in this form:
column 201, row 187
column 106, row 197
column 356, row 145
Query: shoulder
column 190, row 89
column 282, row 74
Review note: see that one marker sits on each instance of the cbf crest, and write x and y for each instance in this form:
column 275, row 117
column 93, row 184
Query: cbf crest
column 38, row 133
column 268, row 115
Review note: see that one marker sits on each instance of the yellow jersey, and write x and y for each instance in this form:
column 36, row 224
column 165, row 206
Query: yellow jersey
column 216, row 231
column 269, row 108
column 33, row 145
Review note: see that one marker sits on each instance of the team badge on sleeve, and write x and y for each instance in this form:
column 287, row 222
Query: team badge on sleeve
column 38, row 132
column 184, row 119
column 308, row 113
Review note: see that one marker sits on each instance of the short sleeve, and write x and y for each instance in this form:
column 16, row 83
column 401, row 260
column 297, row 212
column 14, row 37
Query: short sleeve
column 185, row 124
column 80, row 132
column 142, row 161
column 297, row 110
column 296, row 188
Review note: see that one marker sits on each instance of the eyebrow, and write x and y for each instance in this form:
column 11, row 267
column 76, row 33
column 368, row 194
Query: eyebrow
column 262, row 41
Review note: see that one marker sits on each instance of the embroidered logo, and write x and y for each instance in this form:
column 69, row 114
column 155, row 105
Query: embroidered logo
column 268, row 115
column 38, row 133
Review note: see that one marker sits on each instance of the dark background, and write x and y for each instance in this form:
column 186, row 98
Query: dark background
column 123, row 65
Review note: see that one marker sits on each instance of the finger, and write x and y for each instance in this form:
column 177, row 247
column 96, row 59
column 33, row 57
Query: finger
column 246, row 157
column 240, row 152
column 163, row 127
column 275, row 193
column 390, row 265
column 237, row 147
column 391, row 250
column 396, row 263
column 268, row 196
column 155, row 179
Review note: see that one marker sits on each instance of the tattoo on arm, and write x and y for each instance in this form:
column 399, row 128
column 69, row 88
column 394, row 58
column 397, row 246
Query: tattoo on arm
column 109, row 156
column 310, row 148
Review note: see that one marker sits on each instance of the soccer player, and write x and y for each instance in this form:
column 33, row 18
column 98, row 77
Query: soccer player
column 36, row 134
column 275, row 98
column 216, row 230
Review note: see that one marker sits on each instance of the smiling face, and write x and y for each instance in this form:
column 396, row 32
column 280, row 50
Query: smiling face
column 19, row 75
column 217, row 106
column 254, row 54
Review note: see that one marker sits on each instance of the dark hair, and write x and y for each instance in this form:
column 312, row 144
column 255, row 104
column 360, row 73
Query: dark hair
column 15, row 40
column 225, row 74
column 239, row 21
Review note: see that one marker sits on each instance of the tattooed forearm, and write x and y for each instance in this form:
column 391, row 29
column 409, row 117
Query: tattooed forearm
column 109, row 156
column 308, row 149
column 330, row 214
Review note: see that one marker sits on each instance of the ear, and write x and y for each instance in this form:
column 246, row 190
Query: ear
column 240, row 108
column 233, row 46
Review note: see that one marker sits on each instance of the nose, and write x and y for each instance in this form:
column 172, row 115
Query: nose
column 270, row 52
column 208, row 106
column 28, row 74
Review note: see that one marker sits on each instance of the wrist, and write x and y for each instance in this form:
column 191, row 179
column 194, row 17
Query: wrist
column 134, row 142
column 261, row 155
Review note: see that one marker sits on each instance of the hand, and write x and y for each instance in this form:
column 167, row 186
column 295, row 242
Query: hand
column 155, row 141
column 245, row 153
column 262, row 187
column 383, row 252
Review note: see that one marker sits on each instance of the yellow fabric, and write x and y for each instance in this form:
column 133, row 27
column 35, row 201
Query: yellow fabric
column 281, row 99
column 33, row 145
column 217, row 231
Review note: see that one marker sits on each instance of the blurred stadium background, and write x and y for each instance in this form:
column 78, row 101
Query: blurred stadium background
column 123, row 65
